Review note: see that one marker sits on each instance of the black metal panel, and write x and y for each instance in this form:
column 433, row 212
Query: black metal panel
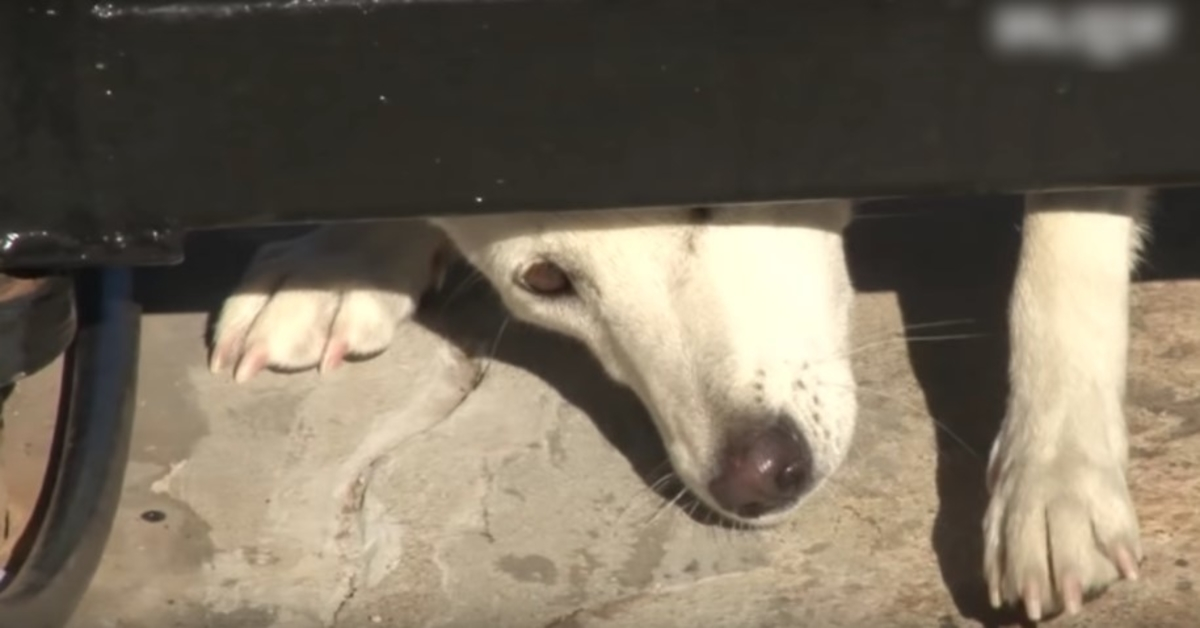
column 133, row 117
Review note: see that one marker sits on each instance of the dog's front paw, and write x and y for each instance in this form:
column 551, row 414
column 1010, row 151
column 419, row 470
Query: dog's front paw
column 1056, row 531
column 316, row 301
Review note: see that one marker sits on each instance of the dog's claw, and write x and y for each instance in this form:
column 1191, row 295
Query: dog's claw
column 1033, row 602
column 335, row 354
column 250, row 364
column 216, row 362
column 221, row 356
column 1126, row 564
column 1072, row 592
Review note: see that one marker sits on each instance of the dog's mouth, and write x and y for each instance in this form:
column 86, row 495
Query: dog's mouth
column 701, row 509
column 764, row 514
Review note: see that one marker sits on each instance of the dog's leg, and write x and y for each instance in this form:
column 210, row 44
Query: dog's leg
column 339, row 291
column 1060, row 522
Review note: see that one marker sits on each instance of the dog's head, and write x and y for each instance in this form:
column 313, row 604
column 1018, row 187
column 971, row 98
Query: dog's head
column 730, row 324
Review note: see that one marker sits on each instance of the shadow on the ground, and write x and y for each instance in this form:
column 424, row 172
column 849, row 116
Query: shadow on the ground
column 474, row 319
column 951, row 266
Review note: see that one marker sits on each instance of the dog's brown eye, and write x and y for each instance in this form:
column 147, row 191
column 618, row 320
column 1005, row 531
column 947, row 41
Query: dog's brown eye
column 546, row 279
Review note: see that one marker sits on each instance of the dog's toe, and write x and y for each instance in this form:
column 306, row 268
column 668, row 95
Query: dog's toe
column 1056, row 532
column 302, row 323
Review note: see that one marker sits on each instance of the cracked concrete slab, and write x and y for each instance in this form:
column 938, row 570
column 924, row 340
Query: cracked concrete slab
column 409, row 491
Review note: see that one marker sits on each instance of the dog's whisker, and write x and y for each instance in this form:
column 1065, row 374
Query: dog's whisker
column 913, row 408
column 660, row 483
column 892, row 338
column 665, row 506
column 665, row 464
column 691, row 510
column 945, row 337
column 663, row 482
column 473, row 278
column 655, row 490
column 651, row 491
column 909, row 339
column 683, row 492
column 491, row 357
column 939, row 324
column 712, row 525
column 890, row 333
column 941, row 425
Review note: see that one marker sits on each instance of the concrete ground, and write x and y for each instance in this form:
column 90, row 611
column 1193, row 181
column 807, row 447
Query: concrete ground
column 440, row 485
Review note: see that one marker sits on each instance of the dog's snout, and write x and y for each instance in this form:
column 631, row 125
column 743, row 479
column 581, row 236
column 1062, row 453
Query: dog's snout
column 763, row 470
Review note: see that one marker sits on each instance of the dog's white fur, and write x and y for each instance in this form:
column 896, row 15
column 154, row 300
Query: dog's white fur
column 718, row 322
column 1060, row 521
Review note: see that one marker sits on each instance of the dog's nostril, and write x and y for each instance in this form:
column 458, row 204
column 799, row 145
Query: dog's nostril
column 763, row 470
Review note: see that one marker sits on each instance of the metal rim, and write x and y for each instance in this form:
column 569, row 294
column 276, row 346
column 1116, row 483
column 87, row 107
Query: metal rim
column 55, row 560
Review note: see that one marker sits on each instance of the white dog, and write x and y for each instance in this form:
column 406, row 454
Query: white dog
column 731, row 325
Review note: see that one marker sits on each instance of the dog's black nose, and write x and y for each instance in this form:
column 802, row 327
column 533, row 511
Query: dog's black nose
column 763, row 470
